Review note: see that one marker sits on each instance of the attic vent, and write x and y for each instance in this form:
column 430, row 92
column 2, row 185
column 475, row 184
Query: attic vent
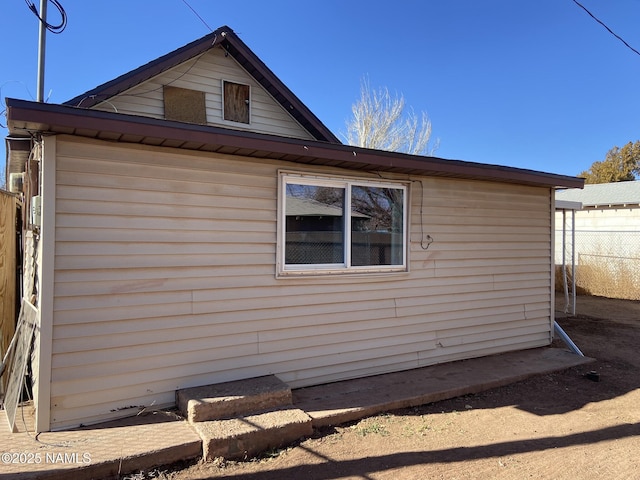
column 236, row 102
column 184, row 105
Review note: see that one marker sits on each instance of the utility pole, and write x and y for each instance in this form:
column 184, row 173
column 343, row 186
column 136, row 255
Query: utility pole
column 42, row 40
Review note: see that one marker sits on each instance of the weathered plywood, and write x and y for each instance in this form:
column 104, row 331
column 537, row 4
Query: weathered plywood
column 165, row 261
column 184, row 105
column 206, row 74
column 8, row 205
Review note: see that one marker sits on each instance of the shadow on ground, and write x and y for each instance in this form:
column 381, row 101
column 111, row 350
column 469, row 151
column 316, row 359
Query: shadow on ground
column 614, row 346
column 362, row 467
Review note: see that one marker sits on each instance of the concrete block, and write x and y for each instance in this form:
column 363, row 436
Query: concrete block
column 246, row 437
column 227, row 400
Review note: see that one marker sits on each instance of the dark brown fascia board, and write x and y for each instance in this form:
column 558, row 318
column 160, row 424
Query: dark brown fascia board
column 145, row 72
column 25, row 117
column 235, row 47
column 276, row 88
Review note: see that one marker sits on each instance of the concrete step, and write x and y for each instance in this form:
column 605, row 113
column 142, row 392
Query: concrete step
column 231, row 399
column 245, row 437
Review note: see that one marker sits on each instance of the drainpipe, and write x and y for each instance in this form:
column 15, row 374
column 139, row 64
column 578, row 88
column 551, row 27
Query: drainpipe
column 565, row 283
column 563, row 335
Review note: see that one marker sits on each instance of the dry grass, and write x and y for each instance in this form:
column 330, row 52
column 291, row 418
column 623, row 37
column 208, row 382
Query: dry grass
column 604, row 276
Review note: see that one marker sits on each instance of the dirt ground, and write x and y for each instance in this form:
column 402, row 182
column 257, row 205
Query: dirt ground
column 558, row 426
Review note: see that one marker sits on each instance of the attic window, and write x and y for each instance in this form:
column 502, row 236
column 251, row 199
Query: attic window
column 184, row 105
column 236, row 102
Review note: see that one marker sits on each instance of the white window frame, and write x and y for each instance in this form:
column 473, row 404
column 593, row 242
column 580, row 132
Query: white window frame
column 288, row 177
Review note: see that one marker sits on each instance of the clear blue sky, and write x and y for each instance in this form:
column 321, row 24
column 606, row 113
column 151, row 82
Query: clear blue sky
column 534, row 84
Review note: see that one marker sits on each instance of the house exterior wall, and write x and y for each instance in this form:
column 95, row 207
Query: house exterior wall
column 607, row 250
column 205, row 74
column 165, row 279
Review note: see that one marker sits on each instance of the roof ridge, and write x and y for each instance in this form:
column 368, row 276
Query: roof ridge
column 148, row 70
column 234, row 46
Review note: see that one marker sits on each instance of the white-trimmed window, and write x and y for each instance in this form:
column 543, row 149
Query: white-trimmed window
column 338, row 225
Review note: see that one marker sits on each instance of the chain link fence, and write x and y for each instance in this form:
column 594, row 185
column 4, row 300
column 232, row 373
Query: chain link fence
column 607, row 262
column 367, row 248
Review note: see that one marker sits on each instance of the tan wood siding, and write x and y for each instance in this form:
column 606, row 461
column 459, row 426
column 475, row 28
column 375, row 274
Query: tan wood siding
column 165, row 278
column 8, row 287
column 205, row 74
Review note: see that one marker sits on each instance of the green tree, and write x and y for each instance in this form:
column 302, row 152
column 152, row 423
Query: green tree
column 619, row 165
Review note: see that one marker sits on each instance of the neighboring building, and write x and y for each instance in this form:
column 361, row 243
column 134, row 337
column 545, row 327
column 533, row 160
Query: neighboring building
column 172, row 198
column 607, row 238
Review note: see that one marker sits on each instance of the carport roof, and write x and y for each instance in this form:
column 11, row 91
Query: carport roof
column 604, row 194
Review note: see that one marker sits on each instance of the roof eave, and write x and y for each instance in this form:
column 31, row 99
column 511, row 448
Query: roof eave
column 276, row 88
column 134, row 77
column 26, row 117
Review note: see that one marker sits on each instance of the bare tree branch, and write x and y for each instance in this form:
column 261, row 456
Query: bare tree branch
column 380, row 122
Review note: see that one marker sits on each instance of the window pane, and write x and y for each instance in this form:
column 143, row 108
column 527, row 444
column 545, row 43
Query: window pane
column 314, row 225
column 377, row 228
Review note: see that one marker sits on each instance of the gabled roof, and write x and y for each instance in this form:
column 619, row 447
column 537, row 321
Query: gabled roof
column 223, row 37
column 604, row 194
column 25, row 117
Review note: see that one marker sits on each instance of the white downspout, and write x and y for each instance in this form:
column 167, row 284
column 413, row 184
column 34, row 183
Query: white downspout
column 565, row 282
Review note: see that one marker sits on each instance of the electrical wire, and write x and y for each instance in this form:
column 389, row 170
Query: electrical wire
column 425, row 242
column 52, row 28
column 21, row 83
column 605, row 26
column 145, row 92
column 196, row 14
column 3, row 113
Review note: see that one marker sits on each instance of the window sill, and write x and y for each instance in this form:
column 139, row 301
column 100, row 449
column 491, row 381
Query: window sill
column 351, row 273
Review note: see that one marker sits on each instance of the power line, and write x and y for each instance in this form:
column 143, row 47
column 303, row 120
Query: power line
column 52, row 28
column 608, row 29
column 196, row 14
